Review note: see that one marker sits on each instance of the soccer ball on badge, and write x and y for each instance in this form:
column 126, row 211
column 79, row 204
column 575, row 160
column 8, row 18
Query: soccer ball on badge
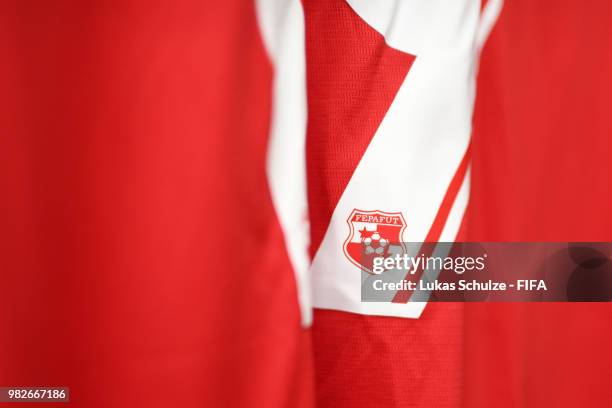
column 375, row 244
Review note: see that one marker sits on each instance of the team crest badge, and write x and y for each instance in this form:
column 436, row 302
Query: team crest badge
column 373, row 234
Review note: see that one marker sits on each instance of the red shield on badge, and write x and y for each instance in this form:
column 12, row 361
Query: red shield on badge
column 374, row 234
